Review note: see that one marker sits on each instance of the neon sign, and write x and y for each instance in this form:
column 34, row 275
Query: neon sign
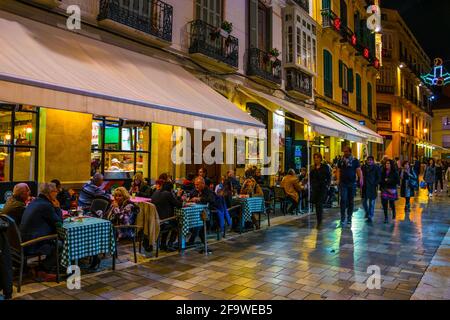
column 439, row 76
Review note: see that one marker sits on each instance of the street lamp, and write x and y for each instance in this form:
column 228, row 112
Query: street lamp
column 407, row 121
column 425, row 130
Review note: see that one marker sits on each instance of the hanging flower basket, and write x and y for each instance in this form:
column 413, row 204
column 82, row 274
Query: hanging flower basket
column 226, row 28
column 274, row 53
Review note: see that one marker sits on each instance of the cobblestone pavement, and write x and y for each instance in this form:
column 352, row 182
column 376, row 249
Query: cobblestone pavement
column 293, row 260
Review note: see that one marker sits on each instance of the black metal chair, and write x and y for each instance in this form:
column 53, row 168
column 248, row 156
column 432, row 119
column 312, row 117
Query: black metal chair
column 17, row 247
column 136, row 231
column 162, row 230
column 99, row 205
column 280, row 196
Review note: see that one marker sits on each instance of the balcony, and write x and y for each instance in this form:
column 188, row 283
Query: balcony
column 304, row 4
column 298, row 83
column 47, row 3
column 152, row 22
column 208, row 45
column 330, row 20
column 262, row 67
column 384, row 125
column 387, row 89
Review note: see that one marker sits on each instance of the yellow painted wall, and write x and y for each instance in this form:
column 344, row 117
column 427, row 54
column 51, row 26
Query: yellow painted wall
column 65, row 146
column 161, row 150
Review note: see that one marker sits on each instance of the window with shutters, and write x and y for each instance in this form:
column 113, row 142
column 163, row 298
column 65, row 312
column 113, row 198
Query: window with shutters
column 209, row 11
column 384, row 112
column 328, row 73
column 369, row 100
column 326, row 4
column 358, row 93
column 290, row 51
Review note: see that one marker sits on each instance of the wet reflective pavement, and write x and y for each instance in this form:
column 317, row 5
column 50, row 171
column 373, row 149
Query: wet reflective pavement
column 293, row 260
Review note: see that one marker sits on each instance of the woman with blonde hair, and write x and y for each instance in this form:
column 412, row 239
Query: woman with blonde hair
column 123, row 212
column 139, row 186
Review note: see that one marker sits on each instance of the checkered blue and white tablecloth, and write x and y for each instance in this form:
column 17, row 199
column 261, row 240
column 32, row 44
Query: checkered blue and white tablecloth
column 190, row 217
column 251, row 206
column 83, row 239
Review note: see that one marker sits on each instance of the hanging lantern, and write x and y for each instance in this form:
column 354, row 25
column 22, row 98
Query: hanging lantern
column 337, row 24
column 366, row 53
column 354, row 40
column 376, row 63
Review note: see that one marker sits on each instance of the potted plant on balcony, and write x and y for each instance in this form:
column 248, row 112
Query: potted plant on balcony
column 226, row 28
column 273, row 54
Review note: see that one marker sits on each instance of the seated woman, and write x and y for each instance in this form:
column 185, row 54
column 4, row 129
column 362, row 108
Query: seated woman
column 252, row 189
column 166, row 202
column 139, row 186
column 292, row 188
column 123, row 212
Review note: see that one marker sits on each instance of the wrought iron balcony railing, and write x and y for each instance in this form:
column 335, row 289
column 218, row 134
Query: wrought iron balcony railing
column 208, row 40
column 304, row 4
column 330, row 20
column 299, row 81
column 263, row 65
column 381, row 88
column 153, row 17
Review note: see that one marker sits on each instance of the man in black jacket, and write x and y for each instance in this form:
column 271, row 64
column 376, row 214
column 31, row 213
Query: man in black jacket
column 6, row 276
column 371, row 173
column 40, row 219
column 15, row 206
column 202, row 195
column 320, row 179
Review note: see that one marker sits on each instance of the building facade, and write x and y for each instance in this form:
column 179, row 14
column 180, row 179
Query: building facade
column 441, row 126
column 346, row 70
column 133, row 73
column 404, row 115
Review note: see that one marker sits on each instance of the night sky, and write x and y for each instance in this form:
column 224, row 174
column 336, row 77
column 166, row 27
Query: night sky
column 429, row 20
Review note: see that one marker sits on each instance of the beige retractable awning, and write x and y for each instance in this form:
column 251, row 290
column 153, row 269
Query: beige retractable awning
column 49, row 67
column 318, row 121
column 372, row 136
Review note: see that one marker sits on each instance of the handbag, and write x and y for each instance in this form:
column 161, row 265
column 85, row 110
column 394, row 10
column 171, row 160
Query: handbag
column 423, row 185
column 389, row 194
column 413, row 184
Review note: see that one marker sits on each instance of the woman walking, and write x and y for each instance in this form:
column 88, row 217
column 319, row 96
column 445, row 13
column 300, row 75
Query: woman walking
column 408, row 184
column 439, row 176
column 429, row 176
column 388, row 185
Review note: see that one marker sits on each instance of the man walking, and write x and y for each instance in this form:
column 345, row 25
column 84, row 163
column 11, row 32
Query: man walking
column 371, row 173
column 348, row 169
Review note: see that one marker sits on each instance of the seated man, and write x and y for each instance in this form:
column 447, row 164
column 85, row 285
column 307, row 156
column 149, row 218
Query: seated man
column 40, row 219
column 203, row 195
column 292, row 187
column 15, row 206
column 91, row 191
column 221, row 206
column 64, row 197
column 166, row 202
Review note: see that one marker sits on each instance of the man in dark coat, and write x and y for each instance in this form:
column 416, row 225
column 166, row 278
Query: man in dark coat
column 15, row 206
column 5, row 262
column 320, row 179
column 40, row 219
column 371, row 173
column 202, row 195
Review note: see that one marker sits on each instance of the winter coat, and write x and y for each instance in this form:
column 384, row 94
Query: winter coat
column 405, row 183
column 371, row 176
column 291, row 186
column 6, row 276
column 320, row 180
column 429, row 175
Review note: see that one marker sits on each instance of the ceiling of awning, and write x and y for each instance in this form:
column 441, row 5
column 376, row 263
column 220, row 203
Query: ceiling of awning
column 50, row 67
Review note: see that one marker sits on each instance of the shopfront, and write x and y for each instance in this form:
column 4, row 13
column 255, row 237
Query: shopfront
column 19, row 139
column 120, row 148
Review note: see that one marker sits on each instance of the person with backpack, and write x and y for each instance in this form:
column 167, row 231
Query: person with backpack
column 372, row 175
column 320, row 179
